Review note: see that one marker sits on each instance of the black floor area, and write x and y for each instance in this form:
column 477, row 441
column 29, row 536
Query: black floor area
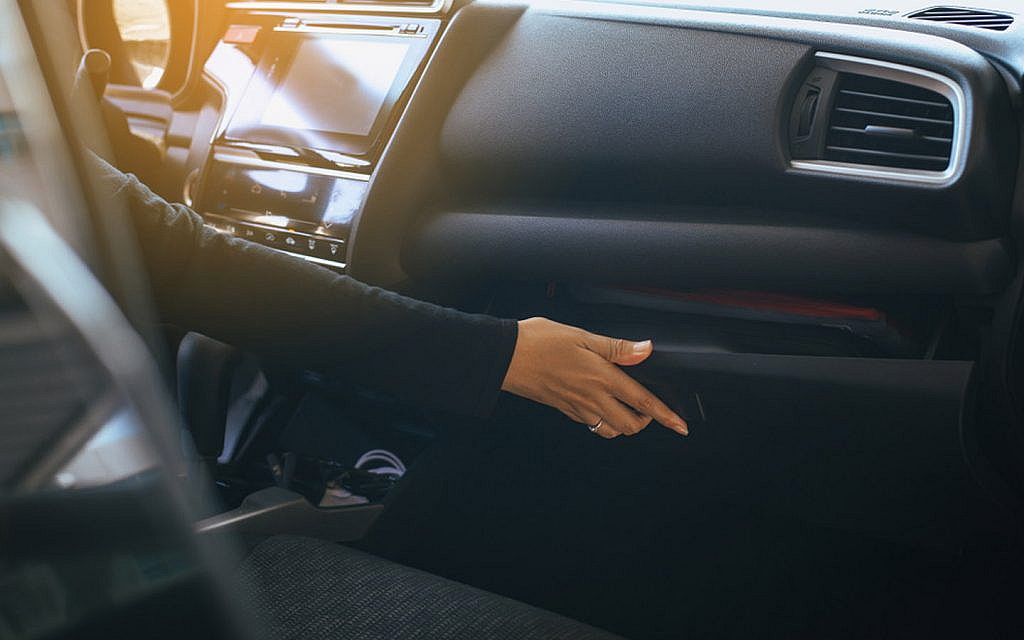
column 655, row 537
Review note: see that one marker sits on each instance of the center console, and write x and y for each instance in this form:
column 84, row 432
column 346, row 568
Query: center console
column 309, row 101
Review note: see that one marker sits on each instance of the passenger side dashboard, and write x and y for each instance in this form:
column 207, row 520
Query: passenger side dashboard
column 672, row 126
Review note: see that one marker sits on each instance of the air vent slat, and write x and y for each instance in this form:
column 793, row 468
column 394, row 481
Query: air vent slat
column 978, row 22
column 864, row 94
column 892, row 115
column 944, row 15
column 882, row 136
column 965, row 17
column 889, row 154
column 882, row 122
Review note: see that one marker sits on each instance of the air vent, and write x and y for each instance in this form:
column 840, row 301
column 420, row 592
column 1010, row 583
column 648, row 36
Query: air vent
column 880, row 122
column 965, row 17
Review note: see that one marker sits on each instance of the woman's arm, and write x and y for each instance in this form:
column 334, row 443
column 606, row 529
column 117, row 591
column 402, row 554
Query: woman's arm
column 292, row 310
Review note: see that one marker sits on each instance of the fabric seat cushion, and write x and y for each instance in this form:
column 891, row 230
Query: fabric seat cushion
column 312, row 589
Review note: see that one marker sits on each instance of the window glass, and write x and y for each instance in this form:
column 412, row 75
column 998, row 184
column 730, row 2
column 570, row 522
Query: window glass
column 12, row 140
column 145, row 28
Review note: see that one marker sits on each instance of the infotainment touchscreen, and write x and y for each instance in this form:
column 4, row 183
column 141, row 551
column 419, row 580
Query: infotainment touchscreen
column 328, row 89
column 335, row 85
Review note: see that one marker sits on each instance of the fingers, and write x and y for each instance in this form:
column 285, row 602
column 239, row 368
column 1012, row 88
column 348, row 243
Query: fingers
column 606, row 430
column 628, row 414
column 619, row 351
column 625, row 405
column 620, row 417
column 643, row 402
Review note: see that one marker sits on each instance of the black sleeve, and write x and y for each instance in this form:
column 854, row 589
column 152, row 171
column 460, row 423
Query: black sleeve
column 289, row 309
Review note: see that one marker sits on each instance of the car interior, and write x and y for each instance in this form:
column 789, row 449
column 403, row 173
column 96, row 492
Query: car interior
column 811, row 208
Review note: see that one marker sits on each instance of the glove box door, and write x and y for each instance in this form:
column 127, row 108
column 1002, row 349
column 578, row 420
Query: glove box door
column 874, row 445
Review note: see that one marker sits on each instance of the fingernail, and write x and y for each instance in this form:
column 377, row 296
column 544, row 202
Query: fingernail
column 642, row 347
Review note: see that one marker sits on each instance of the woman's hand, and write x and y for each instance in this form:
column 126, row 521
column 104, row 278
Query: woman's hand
column 574, row 372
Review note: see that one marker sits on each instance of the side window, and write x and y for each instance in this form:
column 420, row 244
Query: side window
column 145, row 28
column 12, row 141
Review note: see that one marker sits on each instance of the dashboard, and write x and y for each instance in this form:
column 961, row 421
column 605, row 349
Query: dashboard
column 846, row 148
column 715, row 176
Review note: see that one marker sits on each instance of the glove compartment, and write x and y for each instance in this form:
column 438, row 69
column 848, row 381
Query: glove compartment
column 809, row 422
column 873, row 445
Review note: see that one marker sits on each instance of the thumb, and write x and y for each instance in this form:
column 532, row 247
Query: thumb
column 621, row 352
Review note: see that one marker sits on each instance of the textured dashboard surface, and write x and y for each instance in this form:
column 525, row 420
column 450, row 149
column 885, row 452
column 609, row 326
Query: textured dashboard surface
column 564, row 99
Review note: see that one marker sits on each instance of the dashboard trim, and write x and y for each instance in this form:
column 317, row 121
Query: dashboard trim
column 245, row 160
column 313, row 259
column 437, row 7
column 341, row 31
column 909, row 75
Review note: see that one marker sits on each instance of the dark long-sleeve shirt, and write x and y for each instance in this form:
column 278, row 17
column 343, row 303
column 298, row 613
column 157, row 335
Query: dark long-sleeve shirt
column 289, row 309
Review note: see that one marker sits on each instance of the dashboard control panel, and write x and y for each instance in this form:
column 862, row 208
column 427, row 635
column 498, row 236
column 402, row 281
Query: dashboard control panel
column 302, row 210
column 308, row 102
column 325, row 250
column 320, row 201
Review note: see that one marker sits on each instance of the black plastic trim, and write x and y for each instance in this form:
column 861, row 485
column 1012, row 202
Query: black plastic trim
column 461, row 245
